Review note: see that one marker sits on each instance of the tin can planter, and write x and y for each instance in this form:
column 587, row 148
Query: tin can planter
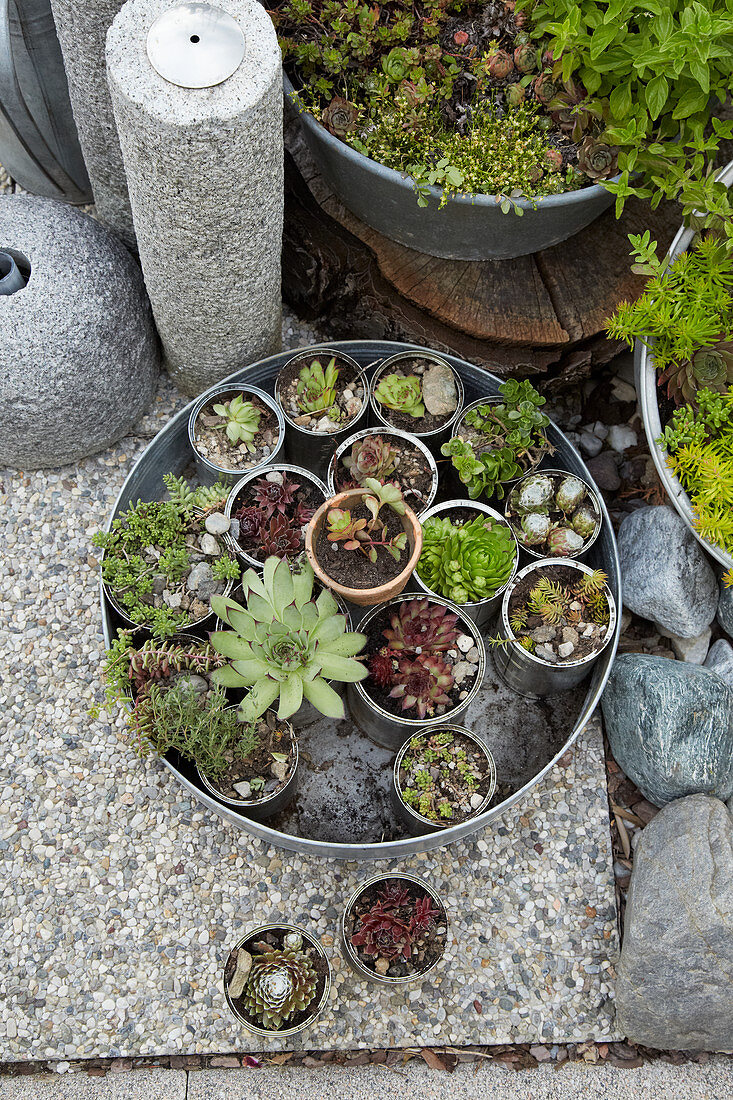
column 452, row 477
column 211, row 471
column 544, row 520
column 483, row 612
column 528, row 673
column 267, row 804
column 418, row 489
column 388, row 728
column 432, row 429
column 410, row 816
column 395, row 894
column 279, row 975
column 363, row 597
column 238, row 494
column 303, row 445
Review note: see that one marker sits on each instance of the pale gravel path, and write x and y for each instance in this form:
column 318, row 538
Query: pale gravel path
column 574, row 1081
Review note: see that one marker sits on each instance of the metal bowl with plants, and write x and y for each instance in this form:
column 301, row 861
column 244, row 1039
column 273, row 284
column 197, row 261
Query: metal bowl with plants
column 277, row 980
column 268, row 511
column 229, row 436
column 464, row 555
column 386, row 454
column 383, row 836
column 394, row 929
column 323, row 397
column 557, row 618
column 419, row 394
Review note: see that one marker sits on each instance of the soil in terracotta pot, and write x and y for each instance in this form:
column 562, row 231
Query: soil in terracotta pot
column 272, row 512
column 444, row 777
column 563, row 525
column 576, row 634
column 398, row 675
column 399, row 928
column 350, row 396
column 438, row 392
column 411, row 472
column 211, row 439
column 263, row 771
column 352, row 568
column 272, row 940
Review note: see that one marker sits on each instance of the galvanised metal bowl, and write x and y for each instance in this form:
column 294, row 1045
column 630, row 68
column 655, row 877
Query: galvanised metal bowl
column 170, row 451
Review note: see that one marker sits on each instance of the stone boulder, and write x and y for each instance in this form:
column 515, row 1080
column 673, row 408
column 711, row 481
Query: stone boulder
column 720, row 660
column 670, row 727
column 675, row 974
column 725, row 609
column 79, row 353
column 665, row 574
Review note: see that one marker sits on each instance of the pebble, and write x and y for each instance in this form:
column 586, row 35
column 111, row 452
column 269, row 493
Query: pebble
column 546, row 653
column 621, row 437
column 565, row 649
column 590, row 444
column 216, row 524
column 209, row 545
column 476, row 800
column 465, row 643
column 603, row 470
column 243, row 789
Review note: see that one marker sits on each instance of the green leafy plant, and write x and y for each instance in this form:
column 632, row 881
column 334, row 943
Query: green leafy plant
column 284, row 645
column 685, row 315
column 316, row 389
column 280, row 984
column 153, row 542
column 369, row 535
column 506, row 439
column 699, row 444
column 437, row 779
column 652, row 72
column 241, row 420
column 466, row 562
column 403, row 394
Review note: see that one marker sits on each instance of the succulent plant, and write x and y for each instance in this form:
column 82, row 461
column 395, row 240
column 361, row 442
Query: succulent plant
column 250, row 526
column 466, row 563
column 569, row 494
column 500, row 65
column 369, row 535
column 573, row 110
column 534, row 494
column 597, row 160
column 340, row 117
column 280, row 537
column 515, row 95
column 382, row 933
column 584, row 521
column 425, row 915
column 525, row 58
column 272, row 495
column 280, row 983
column 554, row 512
column 284, row 645
column 534, row 528
column 420, row 624
column 316, row 389
column 422, row 683
column 560, row 603
column 371, row 457
column 709, row 368
column 563, row 541
column 242, row 420
column 544, row 88
column 401, row 393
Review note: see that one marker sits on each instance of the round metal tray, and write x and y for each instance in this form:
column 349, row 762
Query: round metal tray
column 170, row 451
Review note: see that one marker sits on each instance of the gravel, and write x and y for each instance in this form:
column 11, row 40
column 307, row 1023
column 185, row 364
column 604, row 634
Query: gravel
column 122, row 897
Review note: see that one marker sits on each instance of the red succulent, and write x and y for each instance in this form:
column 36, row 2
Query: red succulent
column 280, row 538
column 274, row 496
column 393, row 894
column 381, row 668
column 381, row 932
column 422, row 684
column 422, row 626
column 250, row 527
column 424, row 918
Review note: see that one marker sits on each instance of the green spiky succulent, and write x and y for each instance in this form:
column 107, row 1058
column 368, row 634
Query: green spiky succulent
column 280, row 984
column 402, row 394
column 316, row 389
column 466, row 562
column 241, row 420
column 284, row 645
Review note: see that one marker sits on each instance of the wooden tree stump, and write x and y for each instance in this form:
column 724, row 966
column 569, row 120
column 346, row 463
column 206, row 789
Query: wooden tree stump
column 541, row 314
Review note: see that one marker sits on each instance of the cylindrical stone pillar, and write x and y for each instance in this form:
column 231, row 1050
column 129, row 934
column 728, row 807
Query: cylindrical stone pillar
column 82, row 27
column 205, row 175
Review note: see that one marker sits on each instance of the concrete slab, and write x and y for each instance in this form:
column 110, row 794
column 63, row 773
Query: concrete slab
column 142, row 1084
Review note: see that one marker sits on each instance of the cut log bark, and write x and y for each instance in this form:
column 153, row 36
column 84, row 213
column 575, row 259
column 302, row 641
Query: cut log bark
column 535, row 315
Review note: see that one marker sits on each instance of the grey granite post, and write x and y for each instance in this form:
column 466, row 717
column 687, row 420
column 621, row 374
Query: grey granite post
column 205, row 176
column 82, row 27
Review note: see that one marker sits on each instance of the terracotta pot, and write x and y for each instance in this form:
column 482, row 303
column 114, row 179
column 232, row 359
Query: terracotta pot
column 363, row 597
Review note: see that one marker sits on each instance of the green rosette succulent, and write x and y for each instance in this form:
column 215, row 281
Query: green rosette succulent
column 466, row 563
column 403, row 394
column 284, row 645
column 241, row 421
column 280, row 984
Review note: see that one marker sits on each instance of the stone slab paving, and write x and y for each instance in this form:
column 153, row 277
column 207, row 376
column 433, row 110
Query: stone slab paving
column 574, row 1081
column 121, row 896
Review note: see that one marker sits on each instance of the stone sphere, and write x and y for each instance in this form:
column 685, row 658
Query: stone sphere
column 79, row 354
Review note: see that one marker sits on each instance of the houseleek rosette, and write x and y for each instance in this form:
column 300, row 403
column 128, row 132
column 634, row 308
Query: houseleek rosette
column 284, row 645
column 466, row 563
